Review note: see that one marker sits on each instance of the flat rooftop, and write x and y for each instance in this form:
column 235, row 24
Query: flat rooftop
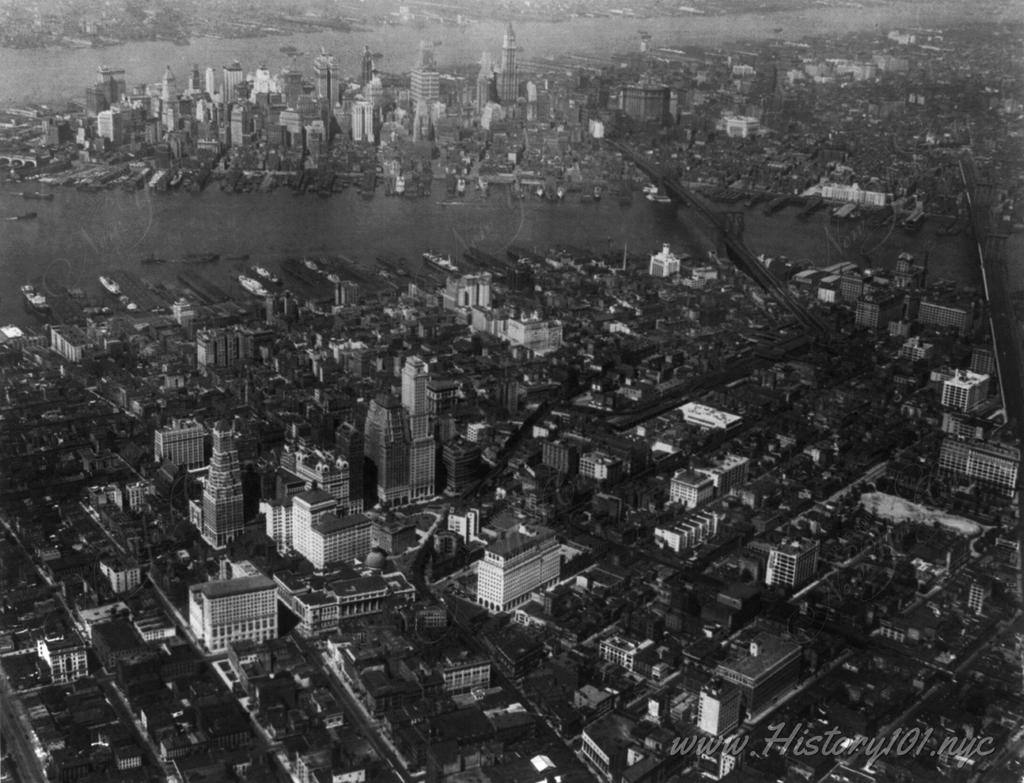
column 224, row 588
column 772, row 650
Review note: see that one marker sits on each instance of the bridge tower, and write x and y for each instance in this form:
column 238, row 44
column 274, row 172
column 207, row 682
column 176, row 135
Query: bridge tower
column 733, row 225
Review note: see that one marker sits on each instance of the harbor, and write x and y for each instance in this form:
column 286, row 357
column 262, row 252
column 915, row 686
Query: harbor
column 276, row 231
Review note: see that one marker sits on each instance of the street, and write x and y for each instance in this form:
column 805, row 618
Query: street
column 13, row 725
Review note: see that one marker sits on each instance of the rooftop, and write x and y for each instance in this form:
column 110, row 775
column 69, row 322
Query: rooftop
column 315, row 497
column 332, row 523
column 771, row 651
column 224, row 588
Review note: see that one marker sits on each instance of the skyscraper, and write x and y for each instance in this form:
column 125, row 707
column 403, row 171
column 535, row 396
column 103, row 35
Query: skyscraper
column 508, row 83
column 366, row 71
column 239, row 123
column 426, row 82
column 169, row 100
column 362, row 121
column 349, row 446
column 232, row 77
column 423, row 450
column 483, row 81
column 414, row 385
column 422, row 462
column 291, row 86
column 325, row 71
column 194, row 80
column 387, row 446
column 108, row 90
column 211, row 82
column 222, row 518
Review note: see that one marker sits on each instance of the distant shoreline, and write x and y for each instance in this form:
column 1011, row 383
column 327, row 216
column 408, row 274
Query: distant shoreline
column 34, row 74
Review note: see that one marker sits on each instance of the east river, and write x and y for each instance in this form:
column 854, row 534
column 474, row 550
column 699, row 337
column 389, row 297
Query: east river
column 79, row 235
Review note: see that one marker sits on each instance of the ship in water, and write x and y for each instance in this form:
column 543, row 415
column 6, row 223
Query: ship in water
column 152, row 259
column 334, row 278
column 37, row 196
column 26, row 216
column 252, row 285
column 110, row 284
column 311, row 264
column 34, row 301
column 267, row 275
column 439, row 262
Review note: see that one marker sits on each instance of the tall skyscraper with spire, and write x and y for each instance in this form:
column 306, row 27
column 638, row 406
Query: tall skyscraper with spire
column 508, row 82
column 366, row 70
column 325, row 71
column 222, row 518
column 169, row 100
column 387, row 447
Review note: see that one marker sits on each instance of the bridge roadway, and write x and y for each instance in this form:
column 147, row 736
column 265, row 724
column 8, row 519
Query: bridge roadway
column 738, row 252
column 1006, row 336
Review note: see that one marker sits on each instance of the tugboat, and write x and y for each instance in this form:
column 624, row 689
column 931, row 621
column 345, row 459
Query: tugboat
column 110, row 284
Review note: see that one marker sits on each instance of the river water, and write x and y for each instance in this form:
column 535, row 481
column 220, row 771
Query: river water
column 79, row 236
column 47, row 75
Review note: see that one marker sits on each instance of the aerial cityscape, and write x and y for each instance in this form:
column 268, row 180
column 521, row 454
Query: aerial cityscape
column 511, row 392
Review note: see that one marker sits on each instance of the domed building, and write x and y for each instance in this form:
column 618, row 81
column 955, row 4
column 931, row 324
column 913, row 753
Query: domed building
column 376, row 560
